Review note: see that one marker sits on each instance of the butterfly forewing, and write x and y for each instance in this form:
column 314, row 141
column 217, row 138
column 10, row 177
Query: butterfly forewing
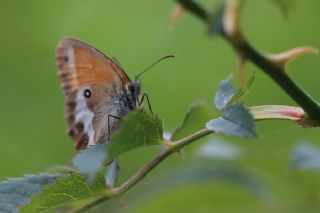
column 93, row 86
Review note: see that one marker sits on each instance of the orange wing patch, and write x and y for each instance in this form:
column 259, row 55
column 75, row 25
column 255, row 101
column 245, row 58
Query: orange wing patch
column 98, row 68
column 81, row 65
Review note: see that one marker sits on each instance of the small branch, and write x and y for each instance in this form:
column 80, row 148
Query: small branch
column 195, row 9
column 231, row 31
column 90, row 205
column 235, row 37
column 265, row 112
column 301, row 97
column 174, row 146
column 139, row 175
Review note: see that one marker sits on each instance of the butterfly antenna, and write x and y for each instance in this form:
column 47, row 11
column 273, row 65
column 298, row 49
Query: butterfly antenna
column 165, row 57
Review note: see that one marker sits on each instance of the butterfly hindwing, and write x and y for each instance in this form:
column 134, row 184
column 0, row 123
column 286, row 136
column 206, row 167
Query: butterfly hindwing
column 93, row 87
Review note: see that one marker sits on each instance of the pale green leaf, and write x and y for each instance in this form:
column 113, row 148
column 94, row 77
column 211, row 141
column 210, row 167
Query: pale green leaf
column 241, row 92
column 224, row 94
column 17, row 192
column 236, row 120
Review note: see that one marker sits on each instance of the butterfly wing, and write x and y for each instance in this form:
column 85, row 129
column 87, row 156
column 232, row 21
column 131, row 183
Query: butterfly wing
column 93, row 88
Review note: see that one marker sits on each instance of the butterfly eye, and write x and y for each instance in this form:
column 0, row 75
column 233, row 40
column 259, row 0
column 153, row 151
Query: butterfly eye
column 87, row 93
column 131, row 88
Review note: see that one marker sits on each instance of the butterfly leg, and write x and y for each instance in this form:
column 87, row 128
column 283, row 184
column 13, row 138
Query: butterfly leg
column 145, row 95
column 112, row 173
column 109, row 126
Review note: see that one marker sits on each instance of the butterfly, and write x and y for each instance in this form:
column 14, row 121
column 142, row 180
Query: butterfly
column 97, row 92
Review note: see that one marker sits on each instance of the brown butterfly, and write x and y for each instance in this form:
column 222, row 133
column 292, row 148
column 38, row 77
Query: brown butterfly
column 97, row 92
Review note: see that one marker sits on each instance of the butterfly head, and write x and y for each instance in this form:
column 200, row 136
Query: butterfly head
column 133, row 92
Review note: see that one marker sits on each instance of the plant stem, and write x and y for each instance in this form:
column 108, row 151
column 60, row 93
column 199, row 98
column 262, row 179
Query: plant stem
column 301, row 97
column 175, row 146
column 232, row 32
column 90, row 205
column 196, row 9
column 309, row 105
column 261, row 112
column 140, row 174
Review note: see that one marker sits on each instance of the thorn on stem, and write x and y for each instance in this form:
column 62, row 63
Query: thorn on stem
column 231, row 20
column 282, row 59
column 177, row 12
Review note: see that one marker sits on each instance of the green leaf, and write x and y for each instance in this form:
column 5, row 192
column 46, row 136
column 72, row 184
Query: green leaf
column 216, row 23
column 137, row 129
column 17, row 192
column 251, row 81
column 224, row 95
column 195, row 119
column 236, row 120
column 241, row 92
column 64, row 191
column 286, row 6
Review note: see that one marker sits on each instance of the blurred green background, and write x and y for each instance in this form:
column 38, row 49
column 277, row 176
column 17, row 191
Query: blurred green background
column 136, row 32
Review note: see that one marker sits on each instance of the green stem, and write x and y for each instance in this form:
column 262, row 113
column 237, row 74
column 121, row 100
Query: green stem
column 174, row 146
column 196, row 9
column 301, row 97
column 139, row 175
column 90, row 205
column 260, row 112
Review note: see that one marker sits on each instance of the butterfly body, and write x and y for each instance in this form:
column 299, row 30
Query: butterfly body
column 97, row 92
